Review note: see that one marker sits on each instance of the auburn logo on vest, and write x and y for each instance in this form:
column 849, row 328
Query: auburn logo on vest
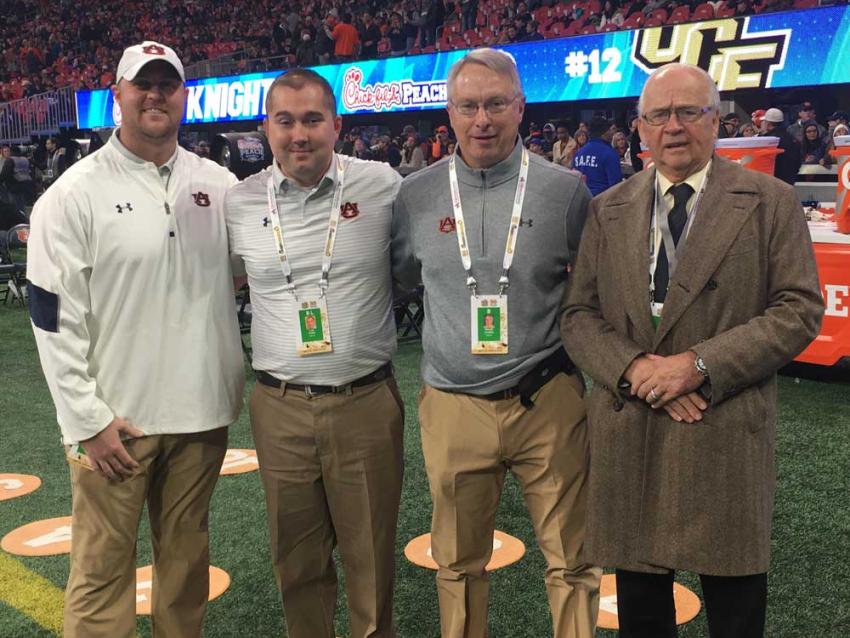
column 153, row 49
column 201, row 199
column 349, row 210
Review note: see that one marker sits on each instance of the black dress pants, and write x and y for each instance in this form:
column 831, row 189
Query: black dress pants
column 735, row 605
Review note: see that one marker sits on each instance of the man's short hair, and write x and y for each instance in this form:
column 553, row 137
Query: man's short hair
column 599, row 126
column 497, row 61
column 713, row 95
column 297, row 79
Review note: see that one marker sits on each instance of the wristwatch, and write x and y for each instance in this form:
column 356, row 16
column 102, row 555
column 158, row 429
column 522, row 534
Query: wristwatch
column 699, row 364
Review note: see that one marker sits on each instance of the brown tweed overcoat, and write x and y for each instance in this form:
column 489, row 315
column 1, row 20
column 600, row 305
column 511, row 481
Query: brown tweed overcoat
column 745, row 296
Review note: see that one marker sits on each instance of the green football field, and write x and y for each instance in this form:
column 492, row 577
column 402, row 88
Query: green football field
column 809, row 582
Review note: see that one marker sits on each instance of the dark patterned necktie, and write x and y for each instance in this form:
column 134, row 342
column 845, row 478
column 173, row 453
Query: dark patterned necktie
column 677, row 219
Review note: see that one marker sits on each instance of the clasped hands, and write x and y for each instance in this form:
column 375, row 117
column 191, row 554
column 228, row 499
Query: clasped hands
column 668, row 383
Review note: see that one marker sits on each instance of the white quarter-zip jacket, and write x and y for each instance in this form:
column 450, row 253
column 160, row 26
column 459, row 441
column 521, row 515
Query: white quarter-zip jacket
column 131, row 295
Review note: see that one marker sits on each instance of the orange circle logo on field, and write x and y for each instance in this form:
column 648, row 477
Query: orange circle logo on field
column 687, row 603
column 239, row 462
column 12, row 485
column 40, row 538
column 506, row 551
column 219, row 582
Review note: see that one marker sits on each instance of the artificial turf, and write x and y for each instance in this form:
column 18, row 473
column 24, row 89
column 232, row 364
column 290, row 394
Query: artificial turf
column 809, row 586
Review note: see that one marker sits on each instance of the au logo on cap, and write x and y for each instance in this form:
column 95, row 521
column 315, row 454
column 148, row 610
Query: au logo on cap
column 153, row 49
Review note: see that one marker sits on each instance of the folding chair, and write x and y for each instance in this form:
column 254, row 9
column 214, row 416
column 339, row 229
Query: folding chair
column 13, row 274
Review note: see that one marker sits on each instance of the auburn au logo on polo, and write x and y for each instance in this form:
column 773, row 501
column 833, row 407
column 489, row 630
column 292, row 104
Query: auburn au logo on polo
column 349, row 210
column 201, row 199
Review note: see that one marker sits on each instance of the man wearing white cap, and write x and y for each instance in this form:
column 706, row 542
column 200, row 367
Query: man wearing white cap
column 132, row 308
column 788, row 162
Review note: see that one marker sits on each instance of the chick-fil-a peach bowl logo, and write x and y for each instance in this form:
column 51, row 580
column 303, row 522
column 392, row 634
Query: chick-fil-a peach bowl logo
column 384, row 96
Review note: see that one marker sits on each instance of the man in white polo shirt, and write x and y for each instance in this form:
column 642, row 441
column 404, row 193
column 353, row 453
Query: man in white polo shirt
column 313, row 232
column 131, row 301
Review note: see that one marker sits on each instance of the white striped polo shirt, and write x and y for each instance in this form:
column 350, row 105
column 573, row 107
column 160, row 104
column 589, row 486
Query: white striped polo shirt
column 360, row 293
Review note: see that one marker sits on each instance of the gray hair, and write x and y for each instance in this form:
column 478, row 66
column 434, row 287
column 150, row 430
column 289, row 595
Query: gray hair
column 497, row 61
column 713, row 93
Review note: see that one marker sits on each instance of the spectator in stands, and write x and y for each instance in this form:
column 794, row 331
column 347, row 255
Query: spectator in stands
column 439, row 144
column 788, row 162
column 535, row 145
column 596, row 160
column 203, row 149
column 531, row 32
column 411, row 157
column 838, row 125
column 345, row 37
column 370, row 34
column 450, row 147
column 620, row 144
column 548, row 138
column 361, row 151
column 806, row 114
column 729, row 125
column 397, row 36
column 813, row 147
column 747, row 129
column 469, row 13
column 306, row 54
column 564, row 147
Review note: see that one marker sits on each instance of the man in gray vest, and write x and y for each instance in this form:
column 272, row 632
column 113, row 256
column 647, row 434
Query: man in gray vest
column 491, row 231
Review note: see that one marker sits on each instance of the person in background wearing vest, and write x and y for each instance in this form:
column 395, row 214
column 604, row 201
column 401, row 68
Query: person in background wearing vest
column 16, row 178
column 326, row 414
column 695, row 282
column 499, row 395
column 57, row 160
column 597, row 160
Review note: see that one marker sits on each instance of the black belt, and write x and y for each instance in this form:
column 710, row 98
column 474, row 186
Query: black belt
column 557, row 362
column 384, row 372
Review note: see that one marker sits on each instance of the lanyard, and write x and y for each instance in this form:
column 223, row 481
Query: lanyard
column 661, row 231
column 330, row 239
column 513, row 229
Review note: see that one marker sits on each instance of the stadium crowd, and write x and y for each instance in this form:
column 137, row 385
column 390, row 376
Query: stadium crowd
column 46, row 46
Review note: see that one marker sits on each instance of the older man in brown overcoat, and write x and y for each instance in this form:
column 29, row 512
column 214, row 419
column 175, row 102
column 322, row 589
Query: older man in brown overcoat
column 695, row 282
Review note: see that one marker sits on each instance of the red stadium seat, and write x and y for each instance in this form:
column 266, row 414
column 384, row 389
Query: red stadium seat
column 588, row 30
column 652, row 22
column 634, row 21
column 679, row 15
column 609, row 27
column 805, row 4
column 725, row 11
column 658, row 14
column 704, row 11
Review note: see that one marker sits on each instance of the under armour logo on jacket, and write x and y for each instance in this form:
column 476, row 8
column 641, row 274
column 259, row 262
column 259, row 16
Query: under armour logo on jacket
column 266, row 222
column 121, row 208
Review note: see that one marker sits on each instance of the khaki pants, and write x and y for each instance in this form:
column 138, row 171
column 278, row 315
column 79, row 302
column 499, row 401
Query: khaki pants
column 469, row 444
column 332, row 468
column 177, row 476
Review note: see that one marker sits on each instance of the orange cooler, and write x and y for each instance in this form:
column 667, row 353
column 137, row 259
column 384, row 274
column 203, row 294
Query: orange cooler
column 755, row 153
column 842, row 197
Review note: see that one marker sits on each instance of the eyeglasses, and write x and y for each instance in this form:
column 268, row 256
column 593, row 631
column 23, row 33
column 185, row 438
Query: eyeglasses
column 493, row 106
column 687, row 114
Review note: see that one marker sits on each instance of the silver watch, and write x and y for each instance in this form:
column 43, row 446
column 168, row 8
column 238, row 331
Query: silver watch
column 699, row 364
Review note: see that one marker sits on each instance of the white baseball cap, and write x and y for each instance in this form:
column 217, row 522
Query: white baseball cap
column 137, row 56
column 774, row 115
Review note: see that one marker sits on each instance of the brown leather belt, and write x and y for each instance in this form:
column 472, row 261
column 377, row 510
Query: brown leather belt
column 311, row 390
